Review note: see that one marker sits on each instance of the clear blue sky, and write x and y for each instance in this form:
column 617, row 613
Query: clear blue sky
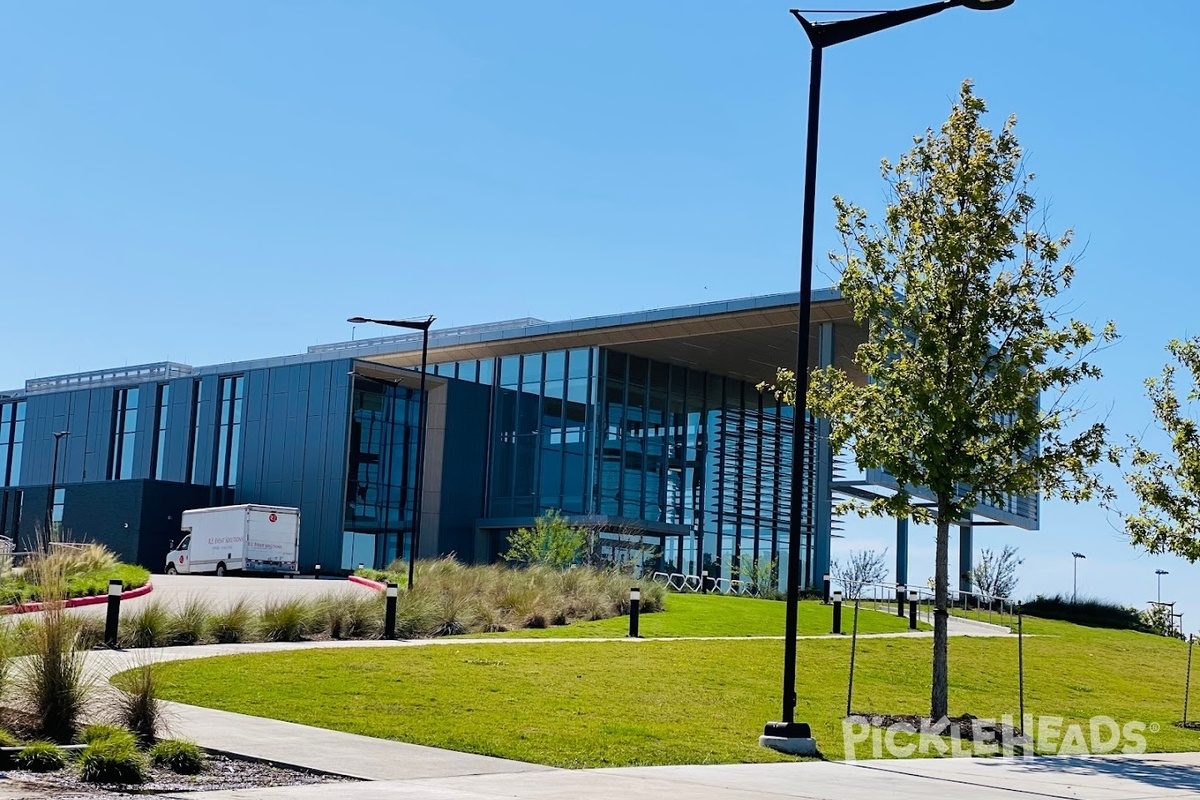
column 220, row 181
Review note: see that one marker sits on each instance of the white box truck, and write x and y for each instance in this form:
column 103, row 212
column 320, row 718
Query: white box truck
column 247, row 538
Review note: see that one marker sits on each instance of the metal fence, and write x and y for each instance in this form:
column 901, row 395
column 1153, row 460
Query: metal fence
column 969, row 605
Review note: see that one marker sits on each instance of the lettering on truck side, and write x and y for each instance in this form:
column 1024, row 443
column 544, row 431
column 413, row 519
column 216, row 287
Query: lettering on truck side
column 223, row 540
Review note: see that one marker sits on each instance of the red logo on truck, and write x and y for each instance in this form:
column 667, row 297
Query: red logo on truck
column 274, row 517
column 181, row 559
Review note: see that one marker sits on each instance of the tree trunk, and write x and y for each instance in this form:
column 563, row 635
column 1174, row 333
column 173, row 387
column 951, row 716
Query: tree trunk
column 939, row 704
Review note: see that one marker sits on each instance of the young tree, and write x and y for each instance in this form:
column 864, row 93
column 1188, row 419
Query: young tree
column 969, row 358
column 996, row 573
column 1168, row 490
column 861, row 567
column 551, row 541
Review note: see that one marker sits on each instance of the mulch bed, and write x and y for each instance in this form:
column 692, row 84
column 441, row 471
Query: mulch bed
column 222, row 772
column 964, row 727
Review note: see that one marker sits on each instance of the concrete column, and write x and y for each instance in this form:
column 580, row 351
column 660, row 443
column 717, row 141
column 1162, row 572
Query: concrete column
column 965, row 557
column 823, row 483
column 902, row 551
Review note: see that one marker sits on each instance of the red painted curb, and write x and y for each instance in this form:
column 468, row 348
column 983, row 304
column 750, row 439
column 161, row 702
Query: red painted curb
column 370, row 584
column 76, row 602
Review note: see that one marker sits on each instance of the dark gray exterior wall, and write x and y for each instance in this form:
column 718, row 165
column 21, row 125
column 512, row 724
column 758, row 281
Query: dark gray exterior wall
column 464, row 468
column 294, row 442
column 136, row 519
column 292, row 452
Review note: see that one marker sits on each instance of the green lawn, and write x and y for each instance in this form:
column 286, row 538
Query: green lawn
column 619, row 703
column 716, row 615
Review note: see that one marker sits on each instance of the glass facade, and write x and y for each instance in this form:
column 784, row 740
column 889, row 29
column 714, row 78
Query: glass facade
column 381, row 473
column 708, row 454
column 124, row 434
column 12, row 436
column 692, row 465
column 229, row 430
column 541, row 450
column 162, row 403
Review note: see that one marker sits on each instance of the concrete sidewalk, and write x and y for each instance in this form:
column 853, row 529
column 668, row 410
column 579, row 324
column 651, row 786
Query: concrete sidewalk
column 340, row 753
column 1095, row 778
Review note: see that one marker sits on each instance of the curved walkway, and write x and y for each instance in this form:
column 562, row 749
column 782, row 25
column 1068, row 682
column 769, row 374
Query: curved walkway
column 343, row 753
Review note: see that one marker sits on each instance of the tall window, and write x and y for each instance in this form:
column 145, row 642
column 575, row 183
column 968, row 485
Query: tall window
column 12, row 434
column 193, row 452
column 160, row 430
column 124, row 434
column 229, row 429
column 56, row 513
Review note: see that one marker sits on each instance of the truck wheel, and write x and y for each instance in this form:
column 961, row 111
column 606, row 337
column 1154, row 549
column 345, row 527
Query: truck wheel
column 221, row 570
column 171, row 570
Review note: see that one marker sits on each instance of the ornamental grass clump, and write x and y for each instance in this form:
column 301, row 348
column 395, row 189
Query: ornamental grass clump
column 112, row 760
column 190, row 624
column 50, row 684
column 284, row 620
column 180, row 756
column 149, row 625
column 41, row 756
column 139, row 706
column 233, row 625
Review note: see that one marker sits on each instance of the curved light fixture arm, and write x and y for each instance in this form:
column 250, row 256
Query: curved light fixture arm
column 827, row 34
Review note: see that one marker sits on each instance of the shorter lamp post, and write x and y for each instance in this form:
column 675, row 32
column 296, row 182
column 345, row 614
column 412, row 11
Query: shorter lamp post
column 1160, row 573
column 1075, row 575
column 422, row 325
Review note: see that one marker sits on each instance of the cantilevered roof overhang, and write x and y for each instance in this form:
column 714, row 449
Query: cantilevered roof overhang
column 747, row 339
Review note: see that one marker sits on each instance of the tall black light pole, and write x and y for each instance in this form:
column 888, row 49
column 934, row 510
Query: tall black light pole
column 58, row 437
column 789, row 735
column 1075, row 574
column 422, row 325
column 1160, row 573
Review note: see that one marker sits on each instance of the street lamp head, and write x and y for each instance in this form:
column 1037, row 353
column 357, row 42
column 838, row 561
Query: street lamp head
column 411, row 324
column 60, row 434
column 986, row 5
column 1161, row 572
column 1078, row 555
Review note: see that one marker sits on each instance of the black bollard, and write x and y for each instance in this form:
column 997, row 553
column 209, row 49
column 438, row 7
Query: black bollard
column 114, row 613
column 900, row 594
column 635, row 609
column 837, row 612
column 825, row 588
column 912, row 609
column 704, row 582
column 389, row 611
column 317, row 572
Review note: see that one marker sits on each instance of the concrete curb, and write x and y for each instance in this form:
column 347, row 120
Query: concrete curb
column 76, row 602
column 370, row 584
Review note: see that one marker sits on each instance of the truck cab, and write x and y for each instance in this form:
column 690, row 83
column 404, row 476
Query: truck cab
column 177, row 559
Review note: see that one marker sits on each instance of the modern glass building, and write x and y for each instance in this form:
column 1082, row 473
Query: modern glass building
column 646, row 428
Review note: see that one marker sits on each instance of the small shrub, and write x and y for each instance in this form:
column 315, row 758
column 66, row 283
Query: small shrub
column 233, row 625
column 95, row 732
column 138, row 705
column 42, row 756
column 179, row 756
column 148, row 626
column 112, row 761
column 284, row 620
column 8, row 739
column 190, row 624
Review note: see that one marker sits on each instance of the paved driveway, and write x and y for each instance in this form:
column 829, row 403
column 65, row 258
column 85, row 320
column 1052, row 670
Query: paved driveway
column 174, row 590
